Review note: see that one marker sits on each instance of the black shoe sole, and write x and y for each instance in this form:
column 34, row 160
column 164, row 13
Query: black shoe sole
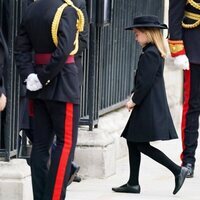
column 127, row 189
column 190, row 176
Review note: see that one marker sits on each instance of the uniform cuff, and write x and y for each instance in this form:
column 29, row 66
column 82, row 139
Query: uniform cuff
column 176, row 47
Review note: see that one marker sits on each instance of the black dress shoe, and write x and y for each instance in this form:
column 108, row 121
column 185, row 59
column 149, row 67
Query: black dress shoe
column 74, row 170
column 179, row 180
column 127, row 188
column 190, row 168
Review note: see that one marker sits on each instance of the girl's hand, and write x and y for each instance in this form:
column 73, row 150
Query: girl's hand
column 2, row 102
column 130, row 105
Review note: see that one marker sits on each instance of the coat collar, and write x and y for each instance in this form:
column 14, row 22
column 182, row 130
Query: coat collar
column 147, row 46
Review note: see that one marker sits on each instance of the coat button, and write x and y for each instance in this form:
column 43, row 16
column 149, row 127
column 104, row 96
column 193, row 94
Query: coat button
column 47, row 82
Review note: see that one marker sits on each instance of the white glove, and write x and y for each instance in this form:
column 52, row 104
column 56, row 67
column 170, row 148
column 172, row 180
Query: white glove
column 33, row 83
column 182, row 62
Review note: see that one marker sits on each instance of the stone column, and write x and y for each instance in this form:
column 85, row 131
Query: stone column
column 98, row 150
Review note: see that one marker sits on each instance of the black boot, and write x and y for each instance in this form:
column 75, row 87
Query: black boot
column 179, row 180
column 127, row 188
column 77, row 178
column 74, row 170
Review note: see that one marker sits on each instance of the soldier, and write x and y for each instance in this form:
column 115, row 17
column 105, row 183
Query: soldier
column 184, row 31
column 50, row 29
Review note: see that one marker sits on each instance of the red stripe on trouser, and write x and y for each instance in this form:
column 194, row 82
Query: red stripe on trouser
column 30, row 108
column 186, row 96
column 65, row 152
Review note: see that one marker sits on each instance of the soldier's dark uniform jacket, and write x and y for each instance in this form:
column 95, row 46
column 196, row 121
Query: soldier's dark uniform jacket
column 184, row 24
column 59, row 80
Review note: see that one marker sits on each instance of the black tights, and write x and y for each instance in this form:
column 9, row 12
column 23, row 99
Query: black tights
column 135, row 150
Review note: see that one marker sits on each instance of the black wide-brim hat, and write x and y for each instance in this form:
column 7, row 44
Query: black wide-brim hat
column 147, row 21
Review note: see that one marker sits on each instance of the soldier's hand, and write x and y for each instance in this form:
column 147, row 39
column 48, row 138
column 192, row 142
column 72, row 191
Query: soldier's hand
column 3, row 101
column 182, row 62
column 33, row 83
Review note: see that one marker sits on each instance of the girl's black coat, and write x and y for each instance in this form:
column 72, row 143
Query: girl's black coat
column 150, row 119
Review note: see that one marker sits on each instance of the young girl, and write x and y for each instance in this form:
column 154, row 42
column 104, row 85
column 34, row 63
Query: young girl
column 150, row 119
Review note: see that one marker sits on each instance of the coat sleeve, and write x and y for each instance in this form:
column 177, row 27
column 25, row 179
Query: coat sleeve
column 66, row 37
column 176, row 14
column 147, row 68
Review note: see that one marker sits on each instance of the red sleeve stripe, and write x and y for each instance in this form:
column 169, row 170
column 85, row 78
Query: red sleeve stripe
column 182, row 52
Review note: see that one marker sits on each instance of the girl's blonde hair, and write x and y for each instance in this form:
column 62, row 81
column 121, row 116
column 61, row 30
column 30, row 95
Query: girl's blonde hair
column 155, row 36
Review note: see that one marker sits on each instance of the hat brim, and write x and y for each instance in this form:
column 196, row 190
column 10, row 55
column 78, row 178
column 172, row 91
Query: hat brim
column 161, row 26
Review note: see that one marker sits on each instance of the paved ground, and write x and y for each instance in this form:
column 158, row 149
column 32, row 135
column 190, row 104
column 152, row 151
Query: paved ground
column 157, row 183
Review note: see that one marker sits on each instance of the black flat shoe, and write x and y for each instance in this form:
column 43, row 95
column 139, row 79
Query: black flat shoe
column 190, row 168
column 127, row 188
column 179, row 180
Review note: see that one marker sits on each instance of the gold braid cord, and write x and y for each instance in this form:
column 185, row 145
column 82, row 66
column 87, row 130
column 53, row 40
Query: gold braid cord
column 194, row 4
column 55, row 23
column 194, row 17
column 191, row 15
column 79, row 25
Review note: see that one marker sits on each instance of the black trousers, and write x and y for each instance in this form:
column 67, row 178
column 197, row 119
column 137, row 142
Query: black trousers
column 49, row 179
column 191, row 111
